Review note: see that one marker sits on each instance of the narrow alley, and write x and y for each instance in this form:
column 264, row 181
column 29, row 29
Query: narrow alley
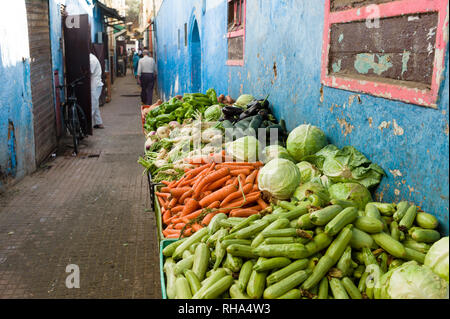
column 91, row 211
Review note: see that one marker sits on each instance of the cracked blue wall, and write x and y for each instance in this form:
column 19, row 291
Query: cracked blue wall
column 16, row 116
column 288, row 34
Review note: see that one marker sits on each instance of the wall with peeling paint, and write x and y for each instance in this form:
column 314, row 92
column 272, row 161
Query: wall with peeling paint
column 16, row 116
column 282, row 58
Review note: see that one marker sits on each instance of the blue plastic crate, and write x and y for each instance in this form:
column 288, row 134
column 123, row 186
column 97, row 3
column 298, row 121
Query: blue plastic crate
column 164, row 243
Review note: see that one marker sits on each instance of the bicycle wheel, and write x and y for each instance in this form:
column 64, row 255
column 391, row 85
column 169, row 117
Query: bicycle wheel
column 83, row 122
column 75, row 123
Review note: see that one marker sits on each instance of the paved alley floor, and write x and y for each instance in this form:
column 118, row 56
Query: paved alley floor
column 92, row 211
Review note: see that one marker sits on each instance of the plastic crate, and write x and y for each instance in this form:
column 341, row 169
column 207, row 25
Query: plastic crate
column 158, row 217
column 162, row 245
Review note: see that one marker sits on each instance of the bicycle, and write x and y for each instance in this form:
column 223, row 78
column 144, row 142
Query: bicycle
column 74, row 116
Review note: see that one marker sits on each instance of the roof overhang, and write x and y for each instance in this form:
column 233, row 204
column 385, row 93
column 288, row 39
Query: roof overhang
column 109, row 12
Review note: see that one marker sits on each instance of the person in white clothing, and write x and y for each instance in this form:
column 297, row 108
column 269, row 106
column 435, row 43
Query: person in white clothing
column 146, row 73
column 96, row 90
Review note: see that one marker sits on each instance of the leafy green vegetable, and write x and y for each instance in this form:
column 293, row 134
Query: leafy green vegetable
column 305, row 140
column 275, row 151
column 244, row 149
column 312, row 189
column 437, row 258
column 279, row 177
column 213, row 112
column 308, row 172
column 211, row 93
column 354, row 192
column 243, row 100
column 412, row 281
column 350, row 165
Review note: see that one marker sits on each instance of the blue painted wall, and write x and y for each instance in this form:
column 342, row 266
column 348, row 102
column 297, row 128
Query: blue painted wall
column 55, row 43
column 413, row 149
column 16, row 116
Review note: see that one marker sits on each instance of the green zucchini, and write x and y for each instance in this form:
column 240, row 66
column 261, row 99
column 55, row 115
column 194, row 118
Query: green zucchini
column 183, row 264
column 251, row 230
column 361, row 239
column 408, row 219
column 389, row 244
column 337, row 289
column 279, row 240
column 412, row 254
column 294, row 251
column 241, row 251
column 196, row 237
column 420, row 247
column 201, row 258
column 422, row 235
column 194, row 282
column 291, row 294
column 371, row 210
column 323, row 289
column 278, row 275
column 228, row 242
column 183, row 290
column 345, row 217
column 284, row 232
column 217, row 288
column 169, row 269
column 368, row 224
column 237, row 293
column 387, row 209
column 244, row 223
column 256, row 284
column 343, row 203
column 244, row 274
column 281, row 287
column 426, row 220
column 233, row 263
column 169, row 249
column 214, row 225
column 272, row 263
column 322, row 216
column 402, row 207
column 351, row 289
column 276, row 224
column 304, row 222
column 395, row 232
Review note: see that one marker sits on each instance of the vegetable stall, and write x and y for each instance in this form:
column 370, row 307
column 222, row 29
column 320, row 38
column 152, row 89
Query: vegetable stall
column 243, row 215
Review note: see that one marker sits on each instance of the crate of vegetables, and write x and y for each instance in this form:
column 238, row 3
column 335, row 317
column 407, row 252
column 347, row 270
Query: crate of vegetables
column 189, row 204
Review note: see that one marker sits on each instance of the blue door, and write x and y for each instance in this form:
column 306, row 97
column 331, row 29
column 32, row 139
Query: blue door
column 196, row 59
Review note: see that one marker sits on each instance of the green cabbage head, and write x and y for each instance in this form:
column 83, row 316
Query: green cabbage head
column 313, row 191
column 305, row 140
column 275, row 151
column 354, row 192
column 213, row 113
column 412, row 281
column 243, row 100
column 279, row 177
column 437, row 258
column 308, row 172
column 244, row 149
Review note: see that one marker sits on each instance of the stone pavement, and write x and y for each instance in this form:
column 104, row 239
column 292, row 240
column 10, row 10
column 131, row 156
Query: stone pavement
column 92, row 210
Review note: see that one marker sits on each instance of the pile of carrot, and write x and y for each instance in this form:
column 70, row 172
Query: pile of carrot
column 190, row 203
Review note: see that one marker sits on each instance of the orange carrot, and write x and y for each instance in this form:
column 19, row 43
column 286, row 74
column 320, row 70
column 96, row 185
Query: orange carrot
column 250, row 198
column 218, row 195
column 207, row 219
column 219, row 183
column 215, row 204
column 262, row 203
column 177, row 192
column 212, row 177
column 161, row 201
column 251, row 178
column 246, row 189
column 190, row 216
column 234, row 167
column 165, row 183
column 173, row 202
column 171, row 235
column 165, row 217
column 179, row 225
column 196, row 227
column 196, row 171
column 177, row 209
column 190, row 206
column 164, row 195
column 165, row 189
column 185, row 195
column 243, row 212
column 236, row 172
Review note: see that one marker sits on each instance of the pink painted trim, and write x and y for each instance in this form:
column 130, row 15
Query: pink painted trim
column 235, row 62
column 235, row 34
column 396, row 92
column 239, row 33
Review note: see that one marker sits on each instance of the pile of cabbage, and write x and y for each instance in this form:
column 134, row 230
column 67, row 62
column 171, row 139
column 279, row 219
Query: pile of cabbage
column 310, row 169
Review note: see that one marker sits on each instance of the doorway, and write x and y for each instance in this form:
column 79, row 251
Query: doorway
column 196, row 59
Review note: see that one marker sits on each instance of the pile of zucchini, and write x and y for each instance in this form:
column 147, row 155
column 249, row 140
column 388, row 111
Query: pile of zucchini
column 298, row 252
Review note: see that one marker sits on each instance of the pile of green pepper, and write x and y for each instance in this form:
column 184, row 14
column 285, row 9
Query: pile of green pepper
column 179, row 109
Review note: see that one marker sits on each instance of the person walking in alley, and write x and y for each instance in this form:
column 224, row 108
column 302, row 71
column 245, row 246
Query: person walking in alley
column 96, row 90
column 135, row 63
column 146, row 75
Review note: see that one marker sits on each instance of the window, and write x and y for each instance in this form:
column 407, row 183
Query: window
column 185, row 35
column 391, row 48
column 236, row 32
